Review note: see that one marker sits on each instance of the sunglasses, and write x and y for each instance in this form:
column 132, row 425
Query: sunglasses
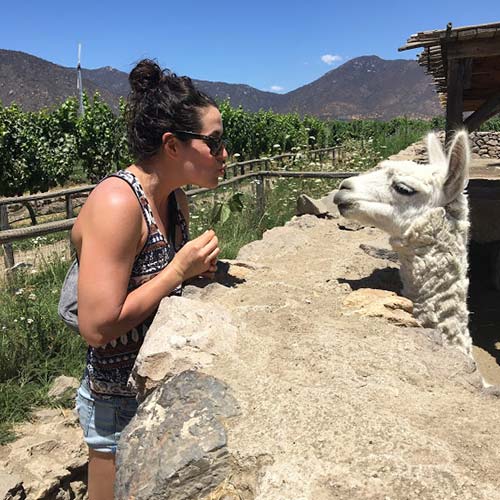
column 215, row 144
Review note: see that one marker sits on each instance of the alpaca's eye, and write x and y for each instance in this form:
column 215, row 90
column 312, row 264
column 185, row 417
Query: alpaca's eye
column 403, row 189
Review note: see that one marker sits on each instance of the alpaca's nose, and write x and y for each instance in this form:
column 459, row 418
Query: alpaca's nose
column 346, row 184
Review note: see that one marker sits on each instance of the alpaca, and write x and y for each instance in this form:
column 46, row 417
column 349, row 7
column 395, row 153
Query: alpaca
column 425, row 212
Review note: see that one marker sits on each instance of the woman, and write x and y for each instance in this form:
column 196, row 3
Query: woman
column 131, row 241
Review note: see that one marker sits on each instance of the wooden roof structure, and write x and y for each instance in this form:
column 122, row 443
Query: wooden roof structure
column 465, row 65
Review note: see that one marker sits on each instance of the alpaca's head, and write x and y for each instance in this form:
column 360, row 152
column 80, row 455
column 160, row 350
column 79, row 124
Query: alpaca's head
column 395, row 193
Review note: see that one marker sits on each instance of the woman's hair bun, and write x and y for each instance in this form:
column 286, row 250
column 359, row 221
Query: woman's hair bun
column 145, row 76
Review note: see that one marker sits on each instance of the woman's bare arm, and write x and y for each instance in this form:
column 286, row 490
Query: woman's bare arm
column 111, row 229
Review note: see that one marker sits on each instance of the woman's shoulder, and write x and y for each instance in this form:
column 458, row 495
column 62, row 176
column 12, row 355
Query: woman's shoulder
column 111, row 210
column 112, row 200
column 113, row 193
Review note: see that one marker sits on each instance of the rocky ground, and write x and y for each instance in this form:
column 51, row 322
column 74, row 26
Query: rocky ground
column 332, row 403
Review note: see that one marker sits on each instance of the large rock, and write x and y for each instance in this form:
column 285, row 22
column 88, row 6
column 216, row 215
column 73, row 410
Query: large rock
column 48, row 459
column 323, row 207
column 380, row 304
column 309, row 403
column 11, row 486
column 187, row 334
column 63, row 387
column 181, row 426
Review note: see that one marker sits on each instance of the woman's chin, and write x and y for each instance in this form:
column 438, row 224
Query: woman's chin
column 208, row 184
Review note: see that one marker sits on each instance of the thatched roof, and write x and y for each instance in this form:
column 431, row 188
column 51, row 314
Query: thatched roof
column 478, row 46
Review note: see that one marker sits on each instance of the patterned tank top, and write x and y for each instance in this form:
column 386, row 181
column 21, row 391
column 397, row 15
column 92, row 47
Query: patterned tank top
column 109, row 366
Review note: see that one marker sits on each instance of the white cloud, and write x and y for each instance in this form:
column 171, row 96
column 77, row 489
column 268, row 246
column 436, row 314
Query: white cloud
column 277, row 88
column 330, row 58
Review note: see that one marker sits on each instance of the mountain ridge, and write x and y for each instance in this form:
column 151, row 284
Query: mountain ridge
column 364, row 87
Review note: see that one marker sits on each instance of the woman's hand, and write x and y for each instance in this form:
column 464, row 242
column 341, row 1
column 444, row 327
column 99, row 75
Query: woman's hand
column 210, row 273
column 197, row 257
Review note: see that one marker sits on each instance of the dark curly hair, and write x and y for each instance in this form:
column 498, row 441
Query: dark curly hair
column 160, row 101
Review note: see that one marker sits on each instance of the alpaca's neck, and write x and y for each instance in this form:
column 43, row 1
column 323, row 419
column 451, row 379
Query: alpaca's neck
column 433, row 256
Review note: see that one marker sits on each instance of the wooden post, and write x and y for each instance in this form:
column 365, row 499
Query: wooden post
column 68, row 199
column 8, row 252
column 454, row 100
column 260, row 195
column 31, row 211
column 488, row 109
column 69, row 206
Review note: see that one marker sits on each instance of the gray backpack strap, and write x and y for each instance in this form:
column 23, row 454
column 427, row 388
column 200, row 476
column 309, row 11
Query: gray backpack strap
column 68, row 301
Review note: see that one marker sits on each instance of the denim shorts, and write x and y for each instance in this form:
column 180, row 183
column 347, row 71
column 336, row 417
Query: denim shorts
column 103, row 418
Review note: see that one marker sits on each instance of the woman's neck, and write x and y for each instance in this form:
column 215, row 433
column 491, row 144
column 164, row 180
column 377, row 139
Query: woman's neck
column 156, row 180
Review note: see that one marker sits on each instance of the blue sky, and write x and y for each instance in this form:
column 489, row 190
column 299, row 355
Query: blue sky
column 270, row 45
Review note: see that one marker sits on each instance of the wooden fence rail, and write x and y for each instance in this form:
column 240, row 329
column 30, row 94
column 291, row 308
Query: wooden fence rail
column 8, row 235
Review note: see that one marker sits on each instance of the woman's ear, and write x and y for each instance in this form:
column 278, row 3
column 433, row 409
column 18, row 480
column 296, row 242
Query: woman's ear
column 170, row 144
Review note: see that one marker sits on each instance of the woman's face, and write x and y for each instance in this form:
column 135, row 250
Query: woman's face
column 200, row 166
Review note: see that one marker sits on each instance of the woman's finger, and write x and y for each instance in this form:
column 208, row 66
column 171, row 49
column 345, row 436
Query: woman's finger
column 212, row 255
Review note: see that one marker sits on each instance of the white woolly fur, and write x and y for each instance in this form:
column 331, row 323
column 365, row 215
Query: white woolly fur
column 425, row 212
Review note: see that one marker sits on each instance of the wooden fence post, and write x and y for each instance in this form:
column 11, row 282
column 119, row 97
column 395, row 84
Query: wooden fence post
column 8, row 252
column 31, row 211
column 260, row 196
column 69, row 215
column 69, row 206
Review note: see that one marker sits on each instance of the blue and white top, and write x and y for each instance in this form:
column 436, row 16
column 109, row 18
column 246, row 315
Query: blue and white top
column 109, row 366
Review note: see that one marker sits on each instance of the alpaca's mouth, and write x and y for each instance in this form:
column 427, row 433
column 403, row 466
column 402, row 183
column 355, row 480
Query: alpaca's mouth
column 345, row 206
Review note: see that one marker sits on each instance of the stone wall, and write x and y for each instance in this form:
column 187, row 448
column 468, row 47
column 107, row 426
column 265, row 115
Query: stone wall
column 486, row 144
column 483, row 145
column 298, row 394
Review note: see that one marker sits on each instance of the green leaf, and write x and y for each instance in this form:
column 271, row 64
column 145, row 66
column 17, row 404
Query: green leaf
column 225, row 213
column 235, row 202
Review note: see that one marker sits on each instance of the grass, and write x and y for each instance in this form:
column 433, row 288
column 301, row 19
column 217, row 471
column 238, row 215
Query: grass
column 249, row 225
column 35, row 345
column 38, row 241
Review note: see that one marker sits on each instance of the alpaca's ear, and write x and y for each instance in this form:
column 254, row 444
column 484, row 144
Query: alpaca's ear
column 458, row 166
column 435, row 150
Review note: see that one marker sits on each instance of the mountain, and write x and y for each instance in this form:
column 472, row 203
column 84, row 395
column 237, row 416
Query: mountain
column 250, row 98
column 368, row 87
column 365, row 87
column 34, row 83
